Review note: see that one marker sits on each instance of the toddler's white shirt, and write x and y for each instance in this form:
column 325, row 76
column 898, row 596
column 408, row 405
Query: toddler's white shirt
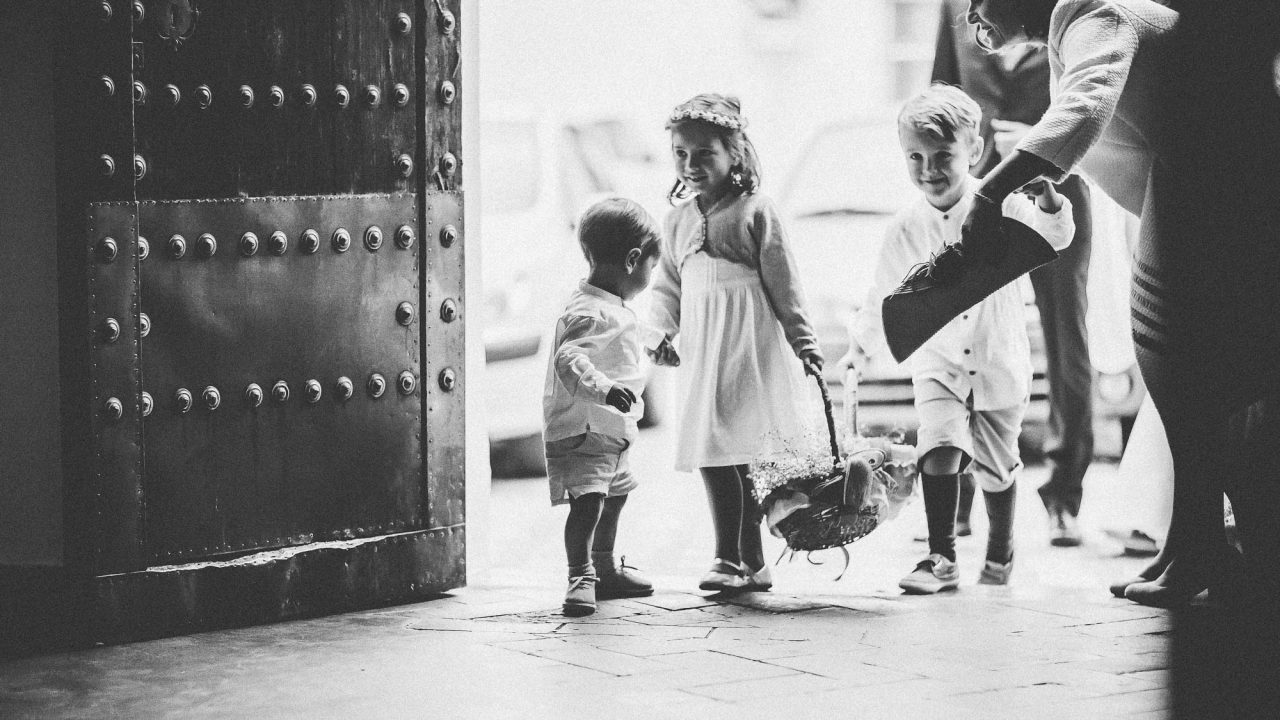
column 985, row 350
column 597, row 344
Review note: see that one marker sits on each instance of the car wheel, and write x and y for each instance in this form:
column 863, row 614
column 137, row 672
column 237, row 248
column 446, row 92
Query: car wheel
column 517, row 457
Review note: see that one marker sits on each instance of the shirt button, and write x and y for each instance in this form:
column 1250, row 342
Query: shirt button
column 966, row 351
column 973, row 372
column 946, row 217
column 966, row 317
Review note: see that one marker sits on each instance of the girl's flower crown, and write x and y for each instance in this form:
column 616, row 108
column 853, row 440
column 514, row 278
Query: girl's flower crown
column 732, row 122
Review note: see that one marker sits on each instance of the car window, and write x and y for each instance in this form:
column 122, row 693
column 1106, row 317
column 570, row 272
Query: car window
column 510, row 166
column 849, row 169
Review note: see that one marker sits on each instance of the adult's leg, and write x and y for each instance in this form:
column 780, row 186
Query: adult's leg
column 1196, row 554
column 1061, row 296
column 1255, row 494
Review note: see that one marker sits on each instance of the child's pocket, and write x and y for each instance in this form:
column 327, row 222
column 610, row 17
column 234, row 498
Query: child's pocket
column 565, row 446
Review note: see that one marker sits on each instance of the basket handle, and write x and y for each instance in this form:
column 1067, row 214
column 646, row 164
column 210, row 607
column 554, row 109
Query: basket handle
column 831, row 421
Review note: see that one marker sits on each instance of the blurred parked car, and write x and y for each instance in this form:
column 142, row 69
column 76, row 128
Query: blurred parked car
column 537, row 177
column 841, row 194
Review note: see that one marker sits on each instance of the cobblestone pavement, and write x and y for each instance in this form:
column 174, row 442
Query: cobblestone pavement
column 1052, row 644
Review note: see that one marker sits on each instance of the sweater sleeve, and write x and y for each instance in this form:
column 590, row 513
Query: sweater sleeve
column 664, row 303
column 1095, row 45
column 867, row 325
column 781, row 278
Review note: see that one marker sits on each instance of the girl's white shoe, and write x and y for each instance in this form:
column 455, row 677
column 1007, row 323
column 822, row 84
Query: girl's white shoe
column 757, row 581
column 724, row 576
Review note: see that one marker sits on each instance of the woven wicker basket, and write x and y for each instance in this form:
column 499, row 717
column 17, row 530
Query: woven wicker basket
column 828, row 522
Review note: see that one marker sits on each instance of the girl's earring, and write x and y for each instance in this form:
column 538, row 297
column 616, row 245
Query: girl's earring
column 737, row 178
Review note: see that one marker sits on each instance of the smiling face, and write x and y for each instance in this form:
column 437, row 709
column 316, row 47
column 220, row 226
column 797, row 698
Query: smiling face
column 702, row 161
column 996, row 23
column 938, row 166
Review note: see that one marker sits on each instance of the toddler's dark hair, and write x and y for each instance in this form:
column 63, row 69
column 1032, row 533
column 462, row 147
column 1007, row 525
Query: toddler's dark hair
column 943, row 111
column 613, row 227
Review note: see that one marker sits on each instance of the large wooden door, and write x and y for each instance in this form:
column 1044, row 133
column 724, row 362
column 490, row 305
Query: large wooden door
column 272, row 240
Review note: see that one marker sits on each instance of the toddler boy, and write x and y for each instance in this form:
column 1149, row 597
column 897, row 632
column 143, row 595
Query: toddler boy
column 592, row 400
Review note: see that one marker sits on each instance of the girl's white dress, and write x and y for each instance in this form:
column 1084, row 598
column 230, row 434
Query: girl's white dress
column 727, row 286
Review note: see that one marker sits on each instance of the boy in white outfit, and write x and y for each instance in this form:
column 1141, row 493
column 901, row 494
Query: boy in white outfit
column 972, row 380
column 591, row 400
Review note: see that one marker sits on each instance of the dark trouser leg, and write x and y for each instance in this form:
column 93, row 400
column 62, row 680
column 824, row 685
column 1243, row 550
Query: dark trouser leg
column 1196, row 552
column 1062, row 300
column 584, row 514
column 724, row 495
column 1255, row 493
column 750, row 547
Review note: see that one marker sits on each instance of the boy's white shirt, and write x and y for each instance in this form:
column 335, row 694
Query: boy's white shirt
column 985, row 350
column 598, row 343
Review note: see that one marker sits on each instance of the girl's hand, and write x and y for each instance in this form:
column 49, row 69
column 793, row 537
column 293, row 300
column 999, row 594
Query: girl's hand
column 620, row 397
column 665, row 354
column 812, row 360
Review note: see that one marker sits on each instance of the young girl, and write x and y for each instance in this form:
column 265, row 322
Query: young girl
column 726, row 283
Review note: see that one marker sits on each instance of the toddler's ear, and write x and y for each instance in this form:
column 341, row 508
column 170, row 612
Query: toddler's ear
column 633, row 259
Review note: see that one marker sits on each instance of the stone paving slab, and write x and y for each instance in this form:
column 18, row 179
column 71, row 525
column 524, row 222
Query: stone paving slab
column 1053, row 644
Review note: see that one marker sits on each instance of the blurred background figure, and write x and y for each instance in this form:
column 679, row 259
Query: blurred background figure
column 1012, row 87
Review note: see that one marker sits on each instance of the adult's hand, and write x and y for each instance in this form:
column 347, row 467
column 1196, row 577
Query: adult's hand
column 1007, row 134
column 980, row 235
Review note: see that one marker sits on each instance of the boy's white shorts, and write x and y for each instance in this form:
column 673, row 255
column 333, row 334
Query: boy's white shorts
column 989, row 438
column 588, row 463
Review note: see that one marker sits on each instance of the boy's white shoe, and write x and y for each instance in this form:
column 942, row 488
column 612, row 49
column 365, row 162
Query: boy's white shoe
column 933, row 574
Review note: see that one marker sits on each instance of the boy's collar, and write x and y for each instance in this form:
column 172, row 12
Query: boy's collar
column 590, row 289
column 971, row 185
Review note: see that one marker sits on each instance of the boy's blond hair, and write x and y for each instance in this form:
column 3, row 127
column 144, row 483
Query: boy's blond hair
column 944, row 111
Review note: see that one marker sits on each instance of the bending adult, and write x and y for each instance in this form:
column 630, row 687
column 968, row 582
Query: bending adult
column 1135, row 107
column 1012, row 88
